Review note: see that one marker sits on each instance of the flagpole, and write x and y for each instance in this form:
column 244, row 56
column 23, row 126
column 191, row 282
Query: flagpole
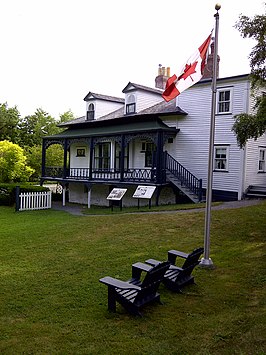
column 206, row 260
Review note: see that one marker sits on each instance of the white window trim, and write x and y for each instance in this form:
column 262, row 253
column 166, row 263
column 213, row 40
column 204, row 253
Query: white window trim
column 221, row 146
column 230, row 102
column 264, row 160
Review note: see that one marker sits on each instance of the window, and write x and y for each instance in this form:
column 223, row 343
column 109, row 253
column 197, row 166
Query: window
column 224, row 97
column 102, row 156
column 148, row 148
column 131, row 105
column 262, row 159
column 90, row 112
column 81, row 152
column 221, row 158
column 118, row 157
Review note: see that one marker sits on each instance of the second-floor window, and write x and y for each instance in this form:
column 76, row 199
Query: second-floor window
column 131, row 104
column 224, row 101
column 262, row 159
column 221, row 158
column 90, row 112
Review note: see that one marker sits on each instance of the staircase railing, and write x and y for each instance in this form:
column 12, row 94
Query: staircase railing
column 184, row 176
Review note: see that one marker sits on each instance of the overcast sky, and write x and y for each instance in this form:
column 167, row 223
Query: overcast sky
column 53, row 52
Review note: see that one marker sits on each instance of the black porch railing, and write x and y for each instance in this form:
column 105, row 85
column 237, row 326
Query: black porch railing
column 184, row 176
column 129, row 175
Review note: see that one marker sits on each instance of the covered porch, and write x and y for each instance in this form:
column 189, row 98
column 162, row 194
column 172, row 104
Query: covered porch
column 123, row 150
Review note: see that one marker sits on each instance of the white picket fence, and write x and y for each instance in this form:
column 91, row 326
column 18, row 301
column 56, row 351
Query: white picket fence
column 35, row 200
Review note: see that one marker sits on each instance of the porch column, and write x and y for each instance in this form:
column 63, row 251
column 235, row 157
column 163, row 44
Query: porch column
column 91, row 159
column 65, row 159
column 159, row 158
column 43, row 156
column 122, row 158
column 64, row 195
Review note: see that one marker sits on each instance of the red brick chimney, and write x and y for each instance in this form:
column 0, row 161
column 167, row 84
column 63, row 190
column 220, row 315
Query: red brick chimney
column 208, row 70
column 162, row 77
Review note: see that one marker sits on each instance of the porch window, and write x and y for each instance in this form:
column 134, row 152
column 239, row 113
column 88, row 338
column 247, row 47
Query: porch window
column 221, row 158
column 149, row 148
column 131, row 105
column 118, row 157
column 262, row 159
column 224, row 98
column 102, row 156
column 90, row 112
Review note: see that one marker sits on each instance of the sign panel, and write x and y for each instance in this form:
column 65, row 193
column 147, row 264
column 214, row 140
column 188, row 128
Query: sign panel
column 116, row 194
column 144, row 191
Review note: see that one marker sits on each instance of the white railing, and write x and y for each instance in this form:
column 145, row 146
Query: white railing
column 35, row 200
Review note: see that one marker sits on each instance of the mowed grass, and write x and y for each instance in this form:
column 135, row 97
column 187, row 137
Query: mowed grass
column 51, row 300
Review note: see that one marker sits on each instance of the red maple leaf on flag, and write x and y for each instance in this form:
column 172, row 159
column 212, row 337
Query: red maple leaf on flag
column 189, row 70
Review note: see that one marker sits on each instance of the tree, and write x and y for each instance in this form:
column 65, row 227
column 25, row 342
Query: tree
column 66, row 116
column 34, row 127
column 13, row 167
column 55, row 157
column 253, row 126
column 9, row 118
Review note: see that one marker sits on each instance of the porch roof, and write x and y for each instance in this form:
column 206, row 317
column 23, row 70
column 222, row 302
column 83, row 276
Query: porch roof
column 116, row 126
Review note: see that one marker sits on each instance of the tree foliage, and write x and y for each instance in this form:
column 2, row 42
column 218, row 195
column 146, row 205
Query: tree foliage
column 248, row 126
column 32, row 128
column 13, row 163
column 27, row 133
column 9, row 119
column 54, row 157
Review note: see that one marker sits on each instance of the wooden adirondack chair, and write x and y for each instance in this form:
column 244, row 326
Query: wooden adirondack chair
column 135, row 293
column 177, row 277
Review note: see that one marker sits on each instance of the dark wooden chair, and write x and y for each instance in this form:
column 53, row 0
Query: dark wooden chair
column 135, row 293
column 179, row 276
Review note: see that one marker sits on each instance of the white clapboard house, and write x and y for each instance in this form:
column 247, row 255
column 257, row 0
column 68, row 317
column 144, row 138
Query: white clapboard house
column 141, row 140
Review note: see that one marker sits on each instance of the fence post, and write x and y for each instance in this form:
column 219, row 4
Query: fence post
column 17, row 198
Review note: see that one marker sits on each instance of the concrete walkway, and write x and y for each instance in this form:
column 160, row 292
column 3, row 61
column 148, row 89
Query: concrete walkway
column 78, row 210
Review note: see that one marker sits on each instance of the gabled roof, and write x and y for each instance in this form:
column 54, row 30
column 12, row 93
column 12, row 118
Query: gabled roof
column 93, row 95
column 132, row 86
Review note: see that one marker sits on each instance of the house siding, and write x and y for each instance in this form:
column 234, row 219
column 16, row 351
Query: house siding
column 102, row 107
column 191, row 146
column 144, row 99
column 253, row 177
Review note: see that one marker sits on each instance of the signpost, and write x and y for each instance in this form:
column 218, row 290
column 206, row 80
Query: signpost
column 144, row 192
column 116, row 195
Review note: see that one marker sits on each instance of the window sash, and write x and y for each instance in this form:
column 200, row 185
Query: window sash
column 102, row 156
column 221, row 159
column 224, row 101
column 130, row 108
column 262, row 160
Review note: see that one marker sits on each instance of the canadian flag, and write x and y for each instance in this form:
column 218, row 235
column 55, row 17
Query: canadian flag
column 191, row 73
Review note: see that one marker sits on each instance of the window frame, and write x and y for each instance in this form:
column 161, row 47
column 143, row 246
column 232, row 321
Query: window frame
column 101, row 161
column 224, row 102
column 91, row 111
column 220, row 159
column 81, row 152
column 262, row 162
column 118, row 157
column 131, row 104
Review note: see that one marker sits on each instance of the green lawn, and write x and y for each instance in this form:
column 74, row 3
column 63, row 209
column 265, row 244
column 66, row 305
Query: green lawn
column 51, row 300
